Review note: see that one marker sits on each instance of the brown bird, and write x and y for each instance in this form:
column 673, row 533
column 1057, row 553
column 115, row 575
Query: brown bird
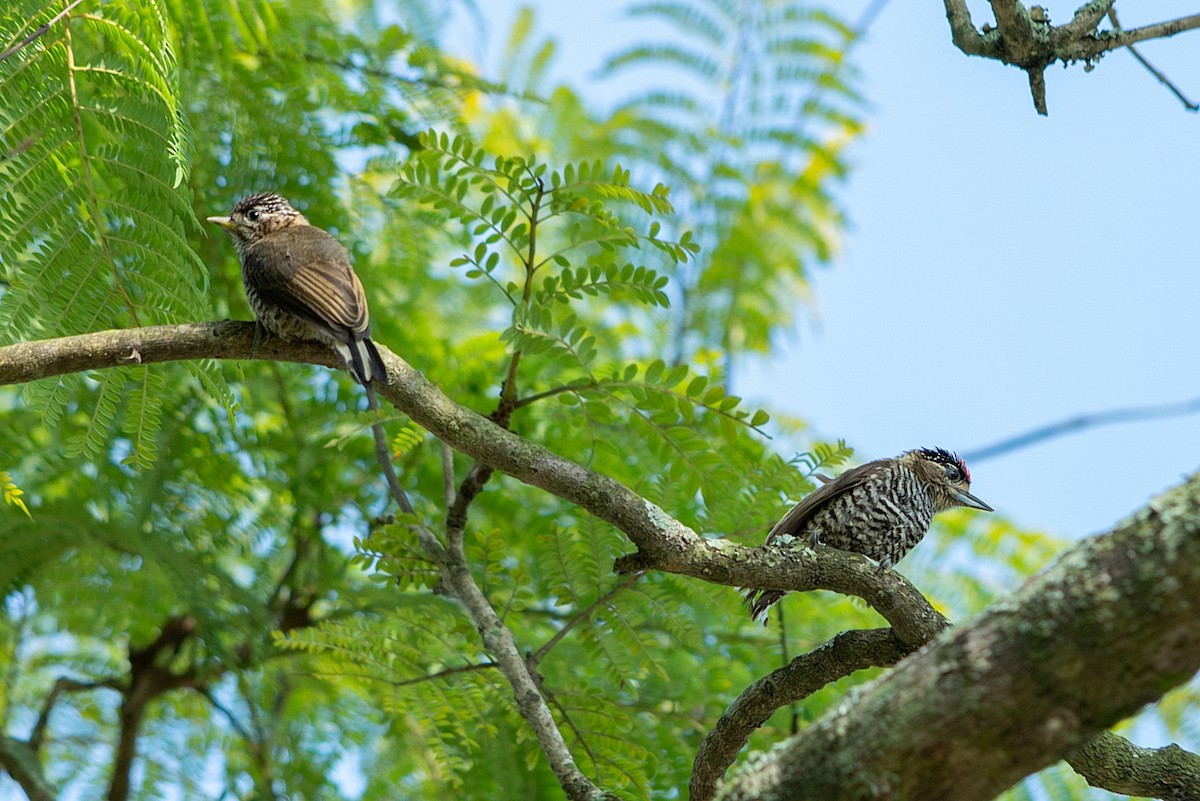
column 300, row 283
column 880, row 509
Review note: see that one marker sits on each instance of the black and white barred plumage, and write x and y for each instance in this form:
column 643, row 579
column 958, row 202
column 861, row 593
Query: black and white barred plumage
column 880, row 509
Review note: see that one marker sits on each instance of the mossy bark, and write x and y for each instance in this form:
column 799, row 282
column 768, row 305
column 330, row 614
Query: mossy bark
column 1105, row 630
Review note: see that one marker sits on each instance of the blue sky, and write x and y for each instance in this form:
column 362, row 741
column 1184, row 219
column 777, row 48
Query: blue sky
column 1002, row 270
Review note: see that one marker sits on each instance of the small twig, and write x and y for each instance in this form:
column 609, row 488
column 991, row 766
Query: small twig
column 550, row 393
column 1037, row 88
column 443, row 673
column 447, row 473
column 1078, row 423
column 1088, row 48
column 1163, row 79
column 41, row 30
column 241, row 730
column 64, row 685
column 1159, row 30
column 535, row 659
column 384, row 455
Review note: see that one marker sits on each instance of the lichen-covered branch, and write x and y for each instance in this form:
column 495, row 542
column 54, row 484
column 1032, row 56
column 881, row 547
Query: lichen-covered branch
column 498, row 639
column 1105, row 630
column 846, row 653
column 1117, row 765
column 500, row 642
column 1025, row 38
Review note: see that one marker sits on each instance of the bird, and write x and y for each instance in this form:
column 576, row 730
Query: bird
column 300, row 283
column 880, row 509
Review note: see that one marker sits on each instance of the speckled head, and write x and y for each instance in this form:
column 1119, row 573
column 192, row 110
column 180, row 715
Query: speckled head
column 943, row 456
column 947, row 474
column 258, row 215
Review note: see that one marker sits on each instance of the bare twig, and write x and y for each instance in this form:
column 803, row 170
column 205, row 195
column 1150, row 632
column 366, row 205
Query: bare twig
column 64, row 685
column 1159, row 30
column 1072, row 425
column 499, row 641
column 540, row 654
column 227, row 713
column 383, row 455
column 1163, row 79
column 441, row 674
column 39, row 31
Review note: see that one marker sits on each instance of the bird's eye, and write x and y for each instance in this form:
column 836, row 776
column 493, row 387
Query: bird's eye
column 253, row 215
column 953, row 473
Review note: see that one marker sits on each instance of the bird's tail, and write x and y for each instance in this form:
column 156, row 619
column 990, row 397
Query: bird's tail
column 364, row 362
column 759, row 601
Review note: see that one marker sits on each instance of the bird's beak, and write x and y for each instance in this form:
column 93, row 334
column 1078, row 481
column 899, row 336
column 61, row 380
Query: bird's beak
column 224, row 222
column 967, row 499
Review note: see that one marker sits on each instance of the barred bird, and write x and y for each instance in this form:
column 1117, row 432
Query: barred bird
column 300, row 283
column 880, row 509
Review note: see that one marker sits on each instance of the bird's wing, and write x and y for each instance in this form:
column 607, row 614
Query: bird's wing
column 795, row 520
column 309, row 275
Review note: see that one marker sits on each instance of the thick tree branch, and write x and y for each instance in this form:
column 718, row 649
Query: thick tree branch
column 150, row 675
column 1119, row 766
column 965, row 35
column 1106, row 629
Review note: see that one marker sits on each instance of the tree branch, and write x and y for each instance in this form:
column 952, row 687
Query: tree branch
column 1025, row 38
column 39, row 31
column 965, row 35
column 1163, row 79
column 663, row 543
column 1117, row 765
column 1102, row 632
column 19, row 760
column 64, row 685
column 1084, row 23
column 1072, row 425
column 1092, row 46
column 846, row 653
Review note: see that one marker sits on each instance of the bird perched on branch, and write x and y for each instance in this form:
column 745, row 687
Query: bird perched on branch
column 300, row 283
column 880, row 509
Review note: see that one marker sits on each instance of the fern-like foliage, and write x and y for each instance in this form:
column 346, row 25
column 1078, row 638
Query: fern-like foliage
column 94, row 199
column 751, row 135
column 93, row 171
